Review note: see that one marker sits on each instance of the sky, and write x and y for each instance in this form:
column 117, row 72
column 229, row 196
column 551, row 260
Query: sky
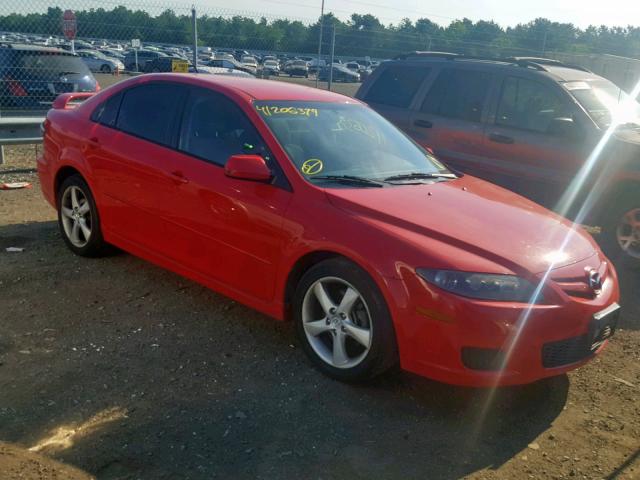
column 505, row 12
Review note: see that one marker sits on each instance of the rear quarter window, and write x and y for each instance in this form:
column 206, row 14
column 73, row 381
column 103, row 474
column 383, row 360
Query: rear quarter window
column 107, row 112
column 397, row 85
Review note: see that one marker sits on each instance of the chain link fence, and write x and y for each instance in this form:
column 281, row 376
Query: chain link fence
column 48, row 49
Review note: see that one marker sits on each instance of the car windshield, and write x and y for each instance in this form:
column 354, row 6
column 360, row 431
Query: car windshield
column 340, row 139
column 605, row 102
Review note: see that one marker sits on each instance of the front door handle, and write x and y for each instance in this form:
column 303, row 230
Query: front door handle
column 178, row 177
column 423, row 123
column 496, row 137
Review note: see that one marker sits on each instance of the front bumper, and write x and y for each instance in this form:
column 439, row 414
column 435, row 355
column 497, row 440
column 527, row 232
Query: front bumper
column 434, row 328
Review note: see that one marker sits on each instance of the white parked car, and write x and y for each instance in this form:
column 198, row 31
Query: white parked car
column 271, row 67
column 223, row 71
column 99, row 62
column 250, row 63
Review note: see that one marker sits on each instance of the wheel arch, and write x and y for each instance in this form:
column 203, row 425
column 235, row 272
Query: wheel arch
column 62, row 174
column 299, row 268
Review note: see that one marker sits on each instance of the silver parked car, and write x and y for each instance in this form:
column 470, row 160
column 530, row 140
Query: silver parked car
column 99, row 62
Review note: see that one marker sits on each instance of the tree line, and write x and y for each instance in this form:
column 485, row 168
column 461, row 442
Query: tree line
column 361, row 35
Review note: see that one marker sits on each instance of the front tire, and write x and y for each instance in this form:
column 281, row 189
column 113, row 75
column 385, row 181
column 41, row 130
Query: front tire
column 343, row 322
column 78, row 218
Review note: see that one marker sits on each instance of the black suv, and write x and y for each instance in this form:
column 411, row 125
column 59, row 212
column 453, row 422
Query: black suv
column 31, row 77
column 556, row 133
column 144, row 57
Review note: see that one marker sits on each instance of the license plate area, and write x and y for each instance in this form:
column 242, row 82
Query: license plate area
column 603, row 326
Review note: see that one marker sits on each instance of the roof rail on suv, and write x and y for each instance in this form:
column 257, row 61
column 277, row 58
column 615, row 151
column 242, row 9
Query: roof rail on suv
column 525, row 62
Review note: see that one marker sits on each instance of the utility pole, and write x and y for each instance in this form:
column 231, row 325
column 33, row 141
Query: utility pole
column 320, row 41
column 544, row 42
column 333, row 50
column 194, row 24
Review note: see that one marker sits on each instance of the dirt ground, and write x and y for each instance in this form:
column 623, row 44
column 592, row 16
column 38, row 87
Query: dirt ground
column 113, row 368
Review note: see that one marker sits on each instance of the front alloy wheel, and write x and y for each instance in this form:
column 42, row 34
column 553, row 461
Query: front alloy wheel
column 343, row 322
column 337, row 322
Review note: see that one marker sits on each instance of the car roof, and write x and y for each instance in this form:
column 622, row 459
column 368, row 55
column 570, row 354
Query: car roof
column 555, row 69
column 260, row 89
column 33, row 48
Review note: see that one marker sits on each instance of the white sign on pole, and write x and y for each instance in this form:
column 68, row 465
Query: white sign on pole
column 135, row 43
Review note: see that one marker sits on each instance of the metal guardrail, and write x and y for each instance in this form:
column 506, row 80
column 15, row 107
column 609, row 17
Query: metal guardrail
column 23, row 130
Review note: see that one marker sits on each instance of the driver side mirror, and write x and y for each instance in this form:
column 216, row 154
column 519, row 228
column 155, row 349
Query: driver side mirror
column 563, row 127
column 248, row 167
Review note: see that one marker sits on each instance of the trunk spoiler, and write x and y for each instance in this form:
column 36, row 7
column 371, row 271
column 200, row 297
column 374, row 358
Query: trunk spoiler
column 70, row 100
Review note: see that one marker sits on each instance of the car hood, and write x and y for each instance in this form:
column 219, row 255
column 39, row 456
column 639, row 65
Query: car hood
column 473, row 216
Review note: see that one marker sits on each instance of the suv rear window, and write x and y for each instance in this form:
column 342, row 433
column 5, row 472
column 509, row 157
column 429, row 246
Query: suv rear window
column 397, row 85
column 49, row 64
column 458, row 94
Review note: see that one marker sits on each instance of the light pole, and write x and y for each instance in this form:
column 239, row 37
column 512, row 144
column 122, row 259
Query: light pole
column 320, row 42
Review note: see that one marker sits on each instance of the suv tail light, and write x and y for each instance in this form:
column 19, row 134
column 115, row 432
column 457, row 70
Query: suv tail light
column 15, row 87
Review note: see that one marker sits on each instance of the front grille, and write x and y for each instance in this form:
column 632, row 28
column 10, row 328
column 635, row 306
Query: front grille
column 574, row 279
column 565, row 352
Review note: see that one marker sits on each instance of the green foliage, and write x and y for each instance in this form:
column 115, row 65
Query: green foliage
column 361, row 35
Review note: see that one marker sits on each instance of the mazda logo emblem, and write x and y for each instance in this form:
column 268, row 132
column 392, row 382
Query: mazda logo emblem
column 594, row 280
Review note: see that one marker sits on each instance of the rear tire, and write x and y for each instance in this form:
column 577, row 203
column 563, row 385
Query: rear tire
column 343, row 322
column 621, row 230
column 78, row 218
column 105, row 69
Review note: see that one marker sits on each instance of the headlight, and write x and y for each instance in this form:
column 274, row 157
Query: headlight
column 483, row 286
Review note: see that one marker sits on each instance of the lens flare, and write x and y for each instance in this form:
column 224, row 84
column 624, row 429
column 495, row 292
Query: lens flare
column 566, row 204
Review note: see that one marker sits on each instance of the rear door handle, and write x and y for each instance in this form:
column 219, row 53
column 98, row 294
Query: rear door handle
column 178, row 177
column 423, row 123
column 496, row 137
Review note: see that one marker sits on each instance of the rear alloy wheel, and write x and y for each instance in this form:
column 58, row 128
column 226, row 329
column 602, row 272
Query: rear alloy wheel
column 78, row 218
column 343, row 322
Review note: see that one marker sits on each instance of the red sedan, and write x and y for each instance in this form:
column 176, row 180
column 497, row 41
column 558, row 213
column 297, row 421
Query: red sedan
column 307, row 205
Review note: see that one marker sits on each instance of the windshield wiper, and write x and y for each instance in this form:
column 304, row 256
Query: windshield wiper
column 69, row 73
column 349, row 179
column 419, row 175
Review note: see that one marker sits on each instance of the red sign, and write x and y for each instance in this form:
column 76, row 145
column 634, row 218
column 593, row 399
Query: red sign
column 69, row 26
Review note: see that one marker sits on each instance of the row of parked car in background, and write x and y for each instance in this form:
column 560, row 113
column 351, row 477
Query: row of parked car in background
column 104, row 56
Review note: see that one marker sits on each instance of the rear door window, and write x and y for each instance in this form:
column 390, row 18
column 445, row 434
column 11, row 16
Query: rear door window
column 529, row 105
column 151, row 111
column 397, row 85
column 458, row 94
